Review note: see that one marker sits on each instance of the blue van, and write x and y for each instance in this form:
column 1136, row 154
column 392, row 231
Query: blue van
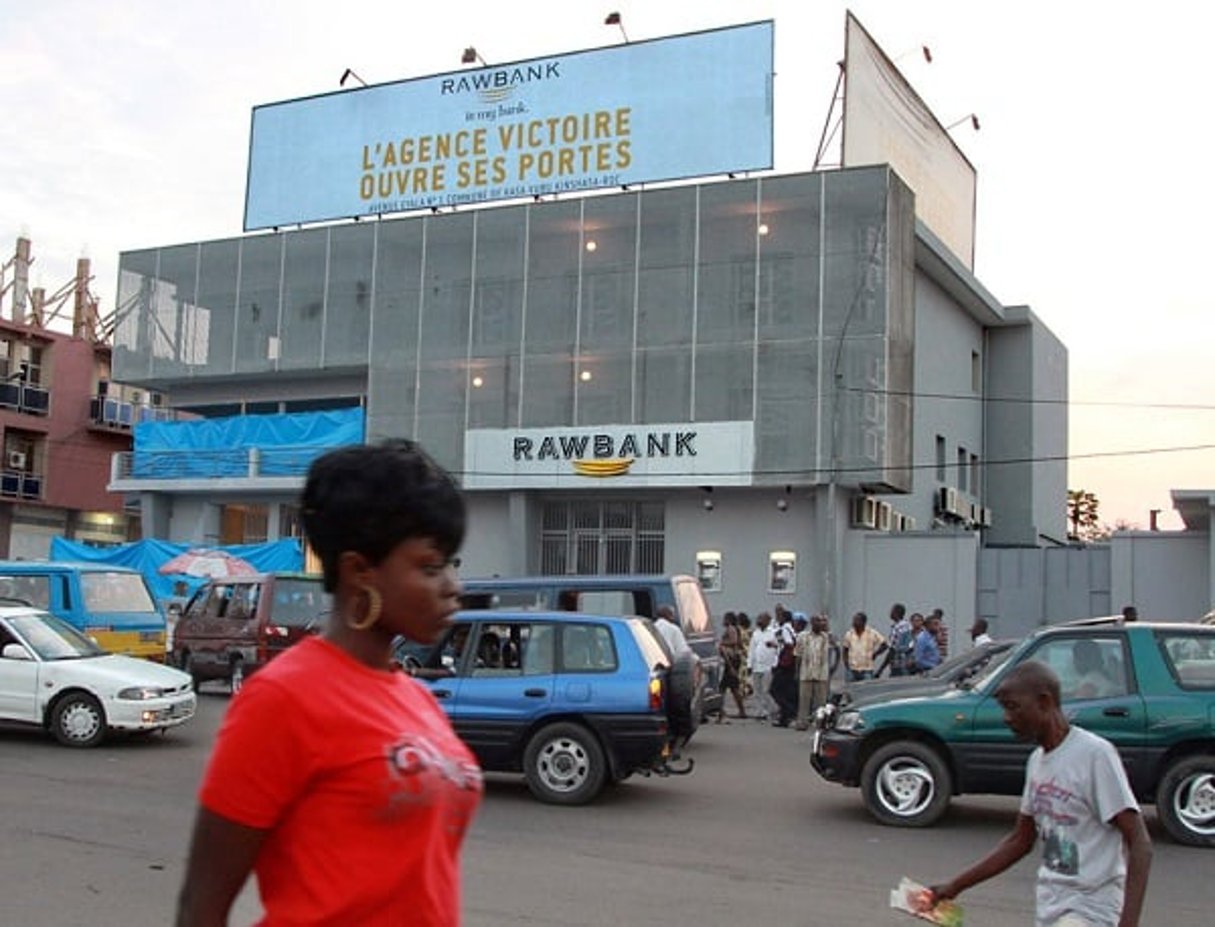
column 110, row 604
column 618, row 594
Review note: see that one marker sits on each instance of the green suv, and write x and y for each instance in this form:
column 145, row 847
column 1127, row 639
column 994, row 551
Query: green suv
column 1148, row 688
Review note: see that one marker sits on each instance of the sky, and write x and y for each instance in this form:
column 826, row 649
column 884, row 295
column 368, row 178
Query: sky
column 128, row 127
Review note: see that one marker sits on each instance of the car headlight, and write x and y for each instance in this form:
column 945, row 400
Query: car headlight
column 141, row 693
column 850, row 721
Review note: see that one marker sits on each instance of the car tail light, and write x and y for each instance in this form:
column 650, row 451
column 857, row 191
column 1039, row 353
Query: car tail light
column 655, row 693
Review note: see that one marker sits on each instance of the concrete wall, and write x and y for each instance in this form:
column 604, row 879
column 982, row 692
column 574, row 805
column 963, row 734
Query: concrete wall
column 1026, row 423
column 490, row 538
column 945, row 339
column 1164, row 574
column 925, row 570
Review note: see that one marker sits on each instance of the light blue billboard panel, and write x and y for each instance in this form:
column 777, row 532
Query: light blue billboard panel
column 669, row 108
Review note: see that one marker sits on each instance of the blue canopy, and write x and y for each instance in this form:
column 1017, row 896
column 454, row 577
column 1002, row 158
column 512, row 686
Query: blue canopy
column 220, row 447
column 149, row 555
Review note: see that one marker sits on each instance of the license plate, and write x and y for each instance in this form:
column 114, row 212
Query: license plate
column 147, row 636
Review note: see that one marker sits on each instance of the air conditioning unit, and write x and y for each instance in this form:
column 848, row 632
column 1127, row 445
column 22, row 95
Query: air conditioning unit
column 985, row 517
column 15, row 460
column 948, row 502
column 864, row 512
column 883, row 516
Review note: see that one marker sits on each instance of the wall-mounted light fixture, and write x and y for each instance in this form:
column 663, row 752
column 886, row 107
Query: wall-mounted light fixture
column 614, row 19
column 471, row 56
column 707, row 501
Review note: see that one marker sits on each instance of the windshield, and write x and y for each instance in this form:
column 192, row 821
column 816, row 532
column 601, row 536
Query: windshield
column 981, row 680
column 115, row 592
column 299, row 603
column 53, row 639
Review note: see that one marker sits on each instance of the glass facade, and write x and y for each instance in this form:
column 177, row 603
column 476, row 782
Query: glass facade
column 787, row 301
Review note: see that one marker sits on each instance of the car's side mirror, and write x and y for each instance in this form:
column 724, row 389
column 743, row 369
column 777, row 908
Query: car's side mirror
column 15, row 652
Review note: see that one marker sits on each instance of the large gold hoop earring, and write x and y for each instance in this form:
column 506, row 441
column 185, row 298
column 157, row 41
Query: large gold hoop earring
column 375, row 604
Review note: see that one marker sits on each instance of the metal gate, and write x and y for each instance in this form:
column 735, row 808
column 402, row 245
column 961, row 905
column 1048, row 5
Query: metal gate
column 597, row 537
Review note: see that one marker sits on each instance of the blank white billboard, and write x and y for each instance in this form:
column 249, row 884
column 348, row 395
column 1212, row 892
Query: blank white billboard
column 670, row 108
column 886, row 122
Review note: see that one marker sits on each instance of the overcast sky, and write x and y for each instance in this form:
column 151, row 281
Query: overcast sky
column 128, row 123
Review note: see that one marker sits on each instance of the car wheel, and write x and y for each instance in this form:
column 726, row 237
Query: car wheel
column 78, row 720
column 1185, row 801
column 564, row 764
column 236, row 678
column 685, row 703
column 186, row 664
column 906, row 784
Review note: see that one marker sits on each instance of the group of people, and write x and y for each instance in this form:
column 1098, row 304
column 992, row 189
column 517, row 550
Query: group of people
column 785, row 662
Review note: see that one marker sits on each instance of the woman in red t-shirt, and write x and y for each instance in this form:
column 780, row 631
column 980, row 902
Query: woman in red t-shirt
column 336, row 778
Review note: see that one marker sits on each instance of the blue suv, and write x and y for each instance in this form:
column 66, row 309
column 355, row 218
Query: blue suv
column 573, row 701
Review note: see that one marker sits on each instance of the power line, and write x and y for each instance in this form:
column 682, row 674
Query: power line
column 810, row 471
column 1177, row 406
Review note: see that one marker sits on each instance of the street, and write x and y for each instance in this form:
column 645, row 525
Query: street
column 752, row 836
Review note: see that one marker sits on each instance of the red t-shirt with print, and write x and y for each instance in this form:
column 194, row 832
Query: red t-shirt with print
column 365, row 788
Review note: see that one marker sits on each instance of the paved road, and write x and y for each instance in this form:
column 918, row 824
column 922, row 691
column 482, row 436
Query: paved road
column 752, row 836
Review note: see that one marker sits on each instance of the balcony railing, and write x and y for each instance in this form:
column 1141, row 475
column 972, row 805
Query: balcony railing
column 18, row 484
column 224, row 463
column 25, row 397
column 116, row 413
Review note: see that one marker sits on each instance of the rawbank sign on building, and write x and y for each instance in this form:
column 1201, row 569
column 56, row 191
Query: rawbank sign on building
column 682, row 106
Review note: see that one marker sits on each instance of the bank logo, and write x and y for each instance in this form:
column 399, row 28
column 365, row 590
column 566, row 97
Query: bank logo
column 617, row 466
column 498, row 84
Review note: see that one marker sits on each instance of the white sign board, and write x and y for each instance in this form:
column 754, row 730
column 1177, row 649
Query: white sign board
column 886, row 122
column 610, row 456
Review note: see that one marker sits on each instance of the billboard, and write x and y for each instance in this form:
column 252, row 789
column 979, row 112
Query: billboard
column 669, row 108
column 886, row 122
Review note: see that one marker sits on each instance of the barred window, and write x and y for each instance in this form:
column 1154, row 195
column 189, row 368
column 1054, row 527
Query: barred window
column 590, row 538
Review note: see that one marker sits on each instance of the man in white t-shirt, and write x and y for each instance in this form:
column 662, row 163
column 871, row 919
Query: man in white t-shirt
column 672, row 633
column 1096, row 853
column 760, row 660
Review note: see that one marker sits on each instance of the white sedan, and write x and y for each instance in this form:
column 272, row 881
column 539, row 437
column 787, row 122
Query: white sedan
column 54, row 677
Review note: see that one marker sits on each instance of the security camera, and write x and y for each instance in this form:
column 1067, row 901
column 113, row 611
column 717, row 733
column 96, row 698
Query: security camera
column 708, row 504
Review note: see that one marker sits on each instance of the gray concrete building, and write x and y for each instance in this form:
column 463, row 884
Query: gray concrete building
column 786, row 383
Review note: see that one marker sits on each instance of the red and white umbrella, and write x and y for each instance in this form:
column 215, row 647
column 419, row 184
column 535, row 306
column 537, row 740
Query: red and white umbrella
column 204, row 561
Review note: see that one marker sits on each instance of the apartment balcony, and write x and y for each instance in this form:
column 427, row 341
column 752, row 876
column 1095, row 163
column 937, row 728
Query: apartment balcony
column 113, row 414
column 20, row 484
column 30, row 399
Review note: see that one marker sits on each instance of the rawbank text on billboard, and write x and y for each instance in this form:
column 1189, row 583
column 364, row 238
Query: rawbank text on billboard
column 678, row 107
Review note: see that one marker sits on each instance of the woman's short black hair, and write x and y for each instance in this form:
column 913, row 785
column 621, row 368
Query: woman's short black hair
column 370, row 498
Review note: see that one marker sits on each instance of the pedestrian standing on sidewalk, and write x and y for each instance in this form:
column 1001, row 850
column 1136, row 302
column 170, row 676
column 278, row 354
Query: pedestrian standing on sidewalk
column 760, row 659
column 813, row 652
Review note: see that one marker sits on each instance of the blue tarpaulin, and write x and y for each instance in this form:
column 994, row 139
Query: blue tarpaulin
column 268, row 445
column 149, row 555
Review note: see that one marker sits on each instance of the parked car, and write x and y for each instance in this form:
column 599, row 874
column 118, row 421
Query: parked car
column 619, row 594
column 572, row 701
column 54, row 677
column 1148, row 688
column 957, row 668
column 110, row 604
column 233, row 627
